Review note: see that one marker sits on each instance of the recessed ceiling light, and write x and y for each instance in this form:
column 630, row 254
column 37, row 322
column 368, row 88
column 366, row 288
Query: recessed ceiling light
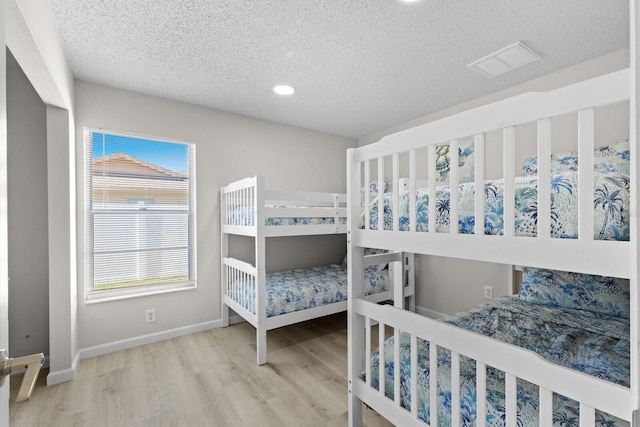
column 504, row 60
column 284, row 90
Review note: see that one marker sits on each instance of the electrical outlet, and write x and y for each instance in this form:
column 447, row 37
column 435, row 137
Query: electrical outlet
column 150, row 315
column 488, row 292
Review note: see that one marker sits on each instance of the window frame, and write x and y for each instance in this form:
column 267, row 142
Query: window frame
column 96, row 296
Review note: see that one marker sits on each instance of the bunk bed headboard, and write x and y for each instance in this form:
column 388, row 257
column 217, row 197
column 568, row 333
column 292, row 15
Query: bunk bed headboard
column 584, row 254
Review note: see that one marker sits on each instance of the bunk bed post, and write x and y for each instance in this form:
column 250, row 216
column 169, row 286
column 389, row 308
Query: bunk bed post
column 224, row 252
column 634, row 51
column 261, row 330
column 408, row 261
column 355, row 323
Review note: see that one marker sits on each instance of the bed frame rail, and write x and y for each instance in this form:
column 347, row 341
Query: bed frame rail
column 591, row 392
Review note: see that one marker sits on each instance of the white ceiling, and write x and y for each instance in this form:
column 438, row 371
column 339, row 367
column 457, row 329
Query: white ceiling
column 358, row 66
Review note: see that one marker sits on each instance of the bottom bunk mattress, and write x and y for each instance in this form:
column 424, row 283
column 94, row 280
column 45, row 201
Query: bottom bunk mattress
column 589, row 342
column 301, row 289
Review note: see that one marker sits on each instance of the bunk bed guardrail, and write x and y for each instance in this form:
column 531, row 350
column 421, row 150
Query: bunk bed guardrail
column 542, row 251
column 287, row 213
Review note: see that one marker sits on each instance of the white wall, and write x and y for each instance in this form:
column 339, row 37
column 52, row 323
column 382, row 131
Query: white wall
column 34, row 41
column 446, row 285
column 28, row 230
column 228, row 147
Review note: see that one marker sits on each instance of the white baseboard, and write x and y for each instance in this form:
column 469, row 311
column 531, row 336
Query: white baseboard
column 429, row 313
column 69, row 374
column 64, row 375
column 101, row 349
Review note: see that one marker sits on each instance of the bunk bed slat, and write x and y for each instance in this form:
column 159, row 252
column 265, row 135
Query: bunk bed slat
column 367, row 351
column 546, row 407
column 414, row 377
column 433, row 384
column 396, row 367
column 544, row 178
column 479, row 147
column 396, row 192
column 455, row 389
column 381, row 193
column 431, row 167
column 381, row 358
column 454, row 191
column 481, row 394
column 338, row 212
column 413, row 213
column 508, row 156
column 585, row 173
column 511, row 400
column 587, row 416
column 367, row 198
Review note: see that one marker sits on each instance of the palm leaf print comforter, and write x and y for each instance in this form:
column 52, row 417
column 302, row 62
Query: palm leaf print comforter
column 300, row 289
column 610, row 203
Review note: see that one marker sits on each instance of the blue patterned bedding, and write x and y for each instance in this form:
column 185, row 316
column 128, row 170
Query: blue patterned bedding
column 611, row 197
column 590, row 342
column 245, row 215
column 293, row 290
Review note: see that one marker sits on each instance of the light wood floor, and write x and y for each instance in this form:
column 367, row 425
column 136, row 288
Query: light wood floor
column 206, row 379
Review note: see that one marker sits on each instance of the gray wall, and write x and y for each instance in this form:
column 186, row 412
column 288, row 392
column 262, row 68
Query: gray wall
column 228, row 147
column 28, row 229
column 445, row 285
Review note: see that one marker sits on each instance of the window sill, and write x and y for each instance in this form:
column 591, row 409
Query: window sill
column 97, row 297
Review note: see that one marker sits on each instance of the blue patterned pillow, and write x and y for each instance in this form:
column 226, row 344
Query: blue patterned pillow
column 373, row 188
column 466, row 161
column 610, row 158
column 613, row 158
column 560, row 163
column 599, row 294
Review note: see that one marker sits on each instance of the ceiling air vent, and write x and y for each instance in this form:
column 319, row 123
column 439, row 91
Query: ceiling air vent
column 504, row 60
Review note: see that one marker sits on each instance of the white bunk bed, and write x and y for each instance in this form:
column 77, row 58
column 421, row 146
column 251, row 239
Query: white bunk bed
column 395, row 391
column 248, row 209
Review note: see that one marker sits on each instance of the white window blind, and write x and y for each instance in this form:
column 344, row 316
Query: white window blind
column 139, row 214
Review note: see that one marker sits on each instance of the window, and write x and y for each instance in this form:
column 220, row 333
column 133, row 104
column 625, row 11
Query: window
column 139, row 198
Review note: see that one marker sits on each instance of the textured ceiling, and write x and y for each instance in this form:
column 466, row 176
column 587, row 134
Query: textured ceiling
column 358, row 66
